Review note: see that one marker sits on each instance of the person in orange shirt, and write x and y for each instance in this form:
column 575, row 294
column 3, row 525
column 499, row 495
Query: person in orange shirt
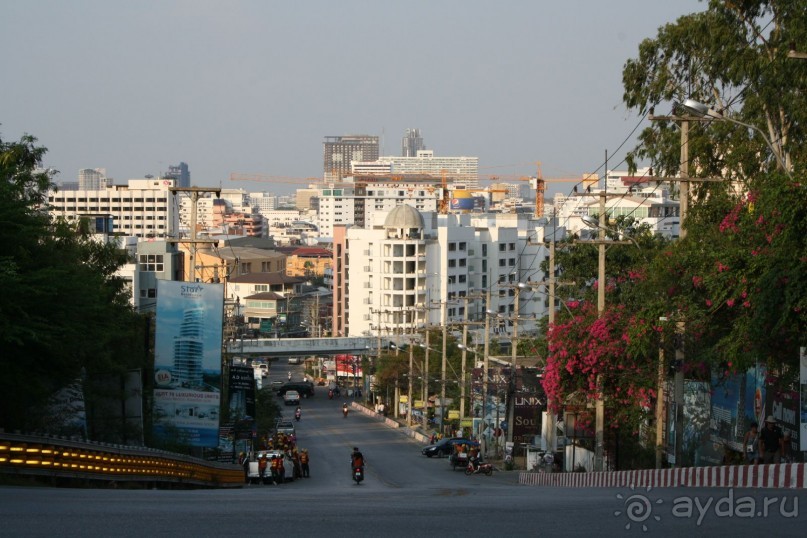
column 304, row 462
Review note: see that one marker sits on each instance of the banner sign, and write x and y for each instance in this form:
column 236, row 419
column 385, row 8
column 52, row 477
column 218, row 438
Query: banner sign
column 187, row 362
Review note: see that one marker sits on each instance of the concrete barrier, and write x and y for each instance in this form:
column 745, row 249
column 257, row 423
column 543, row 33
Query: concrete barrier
column 785, row 475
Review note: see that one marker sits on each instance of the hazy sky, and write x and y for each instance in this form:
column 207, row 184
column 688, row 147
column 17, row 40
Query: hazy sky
column 255, row 85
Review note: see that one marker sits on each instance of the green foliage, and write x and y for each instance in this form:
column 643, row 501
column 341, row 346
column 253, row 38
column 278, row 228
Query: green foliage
column 62, row 312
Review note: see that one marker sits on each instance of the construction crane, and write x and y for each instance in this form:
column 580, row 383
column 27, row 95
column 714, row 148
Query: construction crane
column 237, row 176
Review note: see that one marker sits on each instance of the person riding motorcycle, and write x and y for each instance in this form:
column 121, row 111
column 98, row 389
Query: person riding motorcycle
column 344, row 409
column 357, row 459
column 298, row 413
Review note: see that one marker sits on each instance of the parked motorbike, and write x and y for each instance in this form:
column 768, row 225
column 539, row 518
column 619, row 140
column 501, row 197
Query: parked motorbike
column 358, row 474
column 479, row 468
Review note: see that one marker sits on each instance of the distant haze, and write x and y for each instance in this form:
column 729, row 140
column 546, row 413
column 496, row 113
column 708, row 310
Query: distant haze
column 255, row 86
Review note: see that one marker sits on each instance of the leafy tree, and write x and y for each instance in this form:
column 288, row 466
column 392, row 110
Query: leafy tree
column 737, row 278
column 63, row 315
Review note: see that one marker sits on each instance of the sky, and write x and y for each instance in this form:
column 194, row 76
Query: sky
column 255, row 86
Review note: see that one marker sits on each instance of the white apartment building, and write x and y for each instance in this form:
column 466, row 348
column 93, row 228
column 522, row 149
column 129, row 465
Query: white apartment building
column 631, row 195
column 461, row 171
column 141, row 208
column 408, row 270
column 348, row 203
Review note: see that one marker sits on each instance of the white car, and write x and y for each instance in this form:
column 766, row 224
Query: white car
column 291, row 397
column 263, row 368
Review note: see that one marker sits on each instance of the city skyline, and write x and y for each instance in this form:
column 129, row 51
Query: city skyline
column 256, row 87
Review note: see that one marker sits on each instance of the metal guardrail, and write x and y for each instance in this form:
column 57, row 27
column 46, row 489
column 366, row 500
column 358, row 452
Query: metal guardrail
column 64, row 459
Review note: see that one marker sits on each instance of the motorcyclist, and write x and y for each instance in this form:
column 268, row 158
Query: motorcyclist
column 298, row 413
column 289, row 375
column 344, row 409
column 357, row 459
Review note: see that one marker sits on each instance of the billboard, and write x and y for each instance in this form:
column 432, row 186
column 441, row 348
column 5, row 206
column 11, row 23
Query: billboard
column 187, row 362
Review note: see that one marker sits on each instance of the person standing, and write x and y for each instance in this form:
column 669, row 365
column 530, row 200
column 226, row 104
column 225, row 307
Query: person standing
column 751, row 444
column 770, row 441
column 262, row 468
column 304, row 462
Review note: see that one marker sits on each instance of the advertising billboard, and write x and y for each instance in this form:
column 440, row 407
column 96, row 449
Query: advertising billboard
column 187, row 362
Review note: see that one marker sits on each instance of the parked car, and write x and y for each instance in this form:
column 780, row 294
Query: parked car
column 303, row 388
column 445, row 447
column 253, row 473
column 291, row 397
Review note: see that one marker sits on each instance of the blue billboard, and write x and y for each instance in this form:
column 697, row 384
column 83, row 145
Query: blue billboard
column 187, row 362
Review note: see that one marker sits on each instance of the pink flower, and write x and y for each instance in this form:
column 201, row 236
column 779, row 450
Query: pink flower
column 697, row 281
column 708, row 302
column 747, row 304
column 730, row 303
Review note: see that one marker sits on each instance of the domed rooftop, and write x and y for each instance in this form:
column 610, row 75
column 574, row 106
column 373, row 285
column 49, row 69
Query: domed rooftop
column 404, row 217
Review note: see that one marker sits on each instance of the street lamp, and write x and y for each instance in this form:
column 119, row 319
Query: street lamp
column 703, row 111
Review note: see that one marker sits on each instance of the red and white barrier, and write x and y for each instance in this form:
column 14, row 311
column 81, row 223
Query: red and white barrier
column 785, row 475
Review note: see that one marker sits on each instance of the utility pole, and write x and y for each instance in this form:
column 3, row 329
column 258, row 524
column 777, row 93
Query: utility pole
column 511, row 393
column 486, row 369
column 599, row 405
column 194, row 192
column 464, row 357
column 445, row 362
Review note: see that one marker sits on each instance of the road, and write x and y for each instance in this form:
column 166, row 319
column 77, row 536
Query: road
column 404, row 494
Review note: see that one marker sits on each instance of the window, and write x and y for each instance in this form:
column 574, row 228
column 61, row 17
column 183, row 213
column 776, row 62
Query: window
column 452, row 247
column 511, row 262
column 502, row 247
column 511, row 246
column 462, row 279
column 484, row 249
column 463, row 262
column 502, row 262
column 151, row 262
column 463, row 246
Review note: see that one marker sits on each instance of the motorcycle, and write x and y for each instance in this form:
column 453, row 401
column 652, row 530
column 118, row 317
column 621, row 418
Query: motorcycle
column 358, row 474
column 297, row 415
column 479, row 468
column 344, row 411
column 330, row 394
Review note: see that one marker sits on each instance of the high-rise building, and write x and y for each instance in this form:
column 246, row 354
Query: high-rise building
column 180, row 173
column 339, row 151
column 411, row 143
column 92, row 179
column 142, row 208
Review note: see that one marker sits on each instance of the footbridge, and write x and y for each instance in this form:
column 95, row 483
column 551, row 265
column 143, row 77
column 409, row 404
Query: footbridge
column 280, row 347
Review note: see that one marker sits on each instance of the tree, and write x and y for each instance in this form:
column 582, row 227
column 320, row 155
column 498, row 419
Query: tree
column 63, row 314
column 732, row 56
column 737, row 279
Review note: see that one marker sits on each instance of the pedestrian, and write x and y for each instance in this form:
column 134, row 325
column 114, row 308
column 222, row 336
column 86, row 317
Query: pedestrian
column 275, row 470
column 304, row 463
column 262, row 467
column 751, row 444
column 297, row 471
column 770, row 441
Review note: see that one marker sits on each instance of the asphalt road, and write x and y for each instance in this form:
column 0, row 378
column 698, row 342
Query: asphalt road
column 404, row 494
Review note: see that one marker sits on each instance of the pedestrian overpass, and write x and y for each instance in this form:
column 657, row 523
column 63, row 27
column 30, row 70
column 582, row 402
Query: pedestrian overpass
column 282, row 347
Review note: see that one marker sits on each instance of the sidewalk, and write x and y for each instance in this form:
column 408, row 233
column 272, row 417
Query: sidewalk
column 417, row 434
